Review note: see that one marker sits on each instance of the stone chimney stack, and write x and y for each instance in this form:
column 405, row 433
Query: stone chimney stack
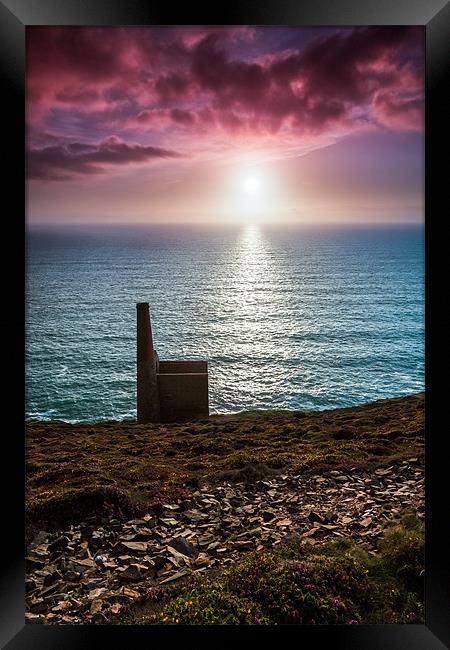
column 147, row 386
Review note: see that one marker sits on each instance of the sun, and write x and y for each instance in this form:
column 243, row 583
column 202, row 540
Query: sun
column 248, row 193
column 252, row 184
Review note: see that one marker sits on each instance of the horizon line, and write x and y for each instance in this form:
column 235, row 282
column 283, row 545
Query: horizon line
column 225, row 223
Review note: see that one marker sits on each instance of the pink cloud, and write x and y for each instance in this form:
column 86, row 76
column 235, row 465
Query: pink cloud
column 191, row 36
column 182, row 117
column 317, row 87
column 76, row 95
column 171, row 86
column 397, row 111
column 162, row 87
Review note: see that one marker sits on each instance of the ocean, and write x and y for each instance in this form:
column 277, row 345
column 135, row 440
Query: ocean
column 287, row 317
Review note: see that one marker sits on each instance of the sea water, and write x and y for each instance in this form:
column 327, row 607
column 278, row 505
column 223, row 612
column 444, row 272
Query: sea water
column 287, row 317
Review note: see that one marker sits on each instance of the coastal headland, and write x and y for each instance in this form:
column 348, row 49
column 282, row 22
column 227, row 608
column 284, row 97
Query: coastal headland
column 212, row 520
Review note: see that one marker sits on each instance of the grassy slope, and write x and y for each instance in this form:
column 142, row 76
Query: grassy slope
column 74, row 470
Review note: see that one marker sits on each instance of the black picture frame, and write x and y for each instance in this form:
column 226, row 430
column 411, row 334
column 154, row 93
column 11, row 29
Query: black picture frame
column 15, row 15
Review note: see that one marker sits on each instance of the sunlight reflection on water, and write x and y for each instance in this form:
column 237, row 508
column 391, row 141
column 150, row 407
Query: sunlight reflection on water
column 287, row 318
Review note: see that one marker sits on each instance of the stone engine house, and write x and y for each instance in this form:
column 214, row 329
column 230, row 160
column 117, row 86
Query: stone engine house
column 167, row 390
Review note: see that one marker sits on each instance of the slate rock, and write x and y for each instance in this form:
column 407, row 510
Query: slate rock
column 131, row 572
column 183, row 546
column 40, row 538
column 174, row 577
column 38, row 606
column 243, row 544
column 58, row 544
column 329, row 517
column 96, row 593
column 96, row 607
column 314, row 516
column 50, row 577
column 30, row 584
column 366, row 522
column 268, row 515
column 33, row 563
column 34, row 618
column 135, row 547
column 130, row 593
column 202, row 560
column 284, row 522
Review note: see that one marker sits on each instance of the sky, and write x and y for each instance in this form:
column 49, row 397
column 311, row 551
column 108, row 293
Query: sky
column 224, row 124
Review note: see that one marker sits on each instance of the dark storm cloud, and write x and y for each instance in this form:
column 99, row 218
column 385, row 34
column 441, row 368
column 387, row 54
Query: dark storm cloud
column 63, row 162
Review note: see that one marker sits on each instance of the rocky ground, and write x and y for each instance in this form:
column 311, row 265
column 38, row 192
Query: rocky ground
column 73, row 470
column 92, row 570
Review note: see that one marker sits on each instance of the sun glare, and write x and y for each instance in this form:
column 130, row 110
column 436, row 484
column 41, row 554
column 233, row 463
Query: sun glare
column 252, row 184
column 249, row 193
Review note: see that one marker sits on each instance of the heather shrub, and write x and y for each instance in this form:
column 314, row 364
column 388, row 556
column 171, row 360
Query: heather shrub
column 211, row 604
column 338, row 584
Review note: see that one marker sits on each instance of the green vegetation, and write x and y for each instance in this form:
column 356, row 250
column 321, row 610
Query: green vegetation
column 124, row 468
column 340, row 584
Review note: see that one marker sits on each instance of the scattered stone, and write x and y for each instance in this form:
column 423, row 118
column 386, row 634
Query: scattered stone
column 34, row 562
column 268, row 515
column 96, row 607
column 34, row 618
column 243, row 544
column 202, row 559
column 58, row 544
column 284, row 522
column 130, row 593
column 195, row 516
column 39, row 539
column 315, row 517
column 116, row 608
column 41, row 551
column 96, row 593
column 61, row 606
column 174, row 577
column 85, row 562
column 37, row 606
column 177, row 555
column 366, row 522
column 183, row 546
column 78, row 575
column 169, row 521
column 383, row 472
column 328, row 526
column 138, row 547
column 132, row 572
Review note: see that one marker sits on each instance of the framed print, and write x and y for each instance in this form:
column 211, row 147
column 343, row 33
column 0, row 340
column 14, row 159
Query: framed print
column 228, row 311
